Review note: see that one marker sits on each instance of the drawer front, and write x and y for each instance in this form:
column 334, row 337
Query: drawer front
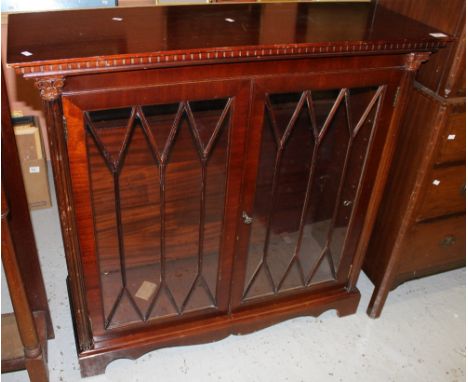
column 452, row 141
column 434, row 244
column 444, row 194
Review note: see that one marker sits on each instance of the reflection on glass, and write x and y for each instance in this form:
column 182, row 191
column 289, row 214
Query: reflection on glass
column 312, row 156
column 158, row 176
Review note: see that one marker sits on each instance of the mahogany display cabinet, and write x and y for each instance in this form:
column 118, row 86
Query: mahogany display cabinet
column 218, row 168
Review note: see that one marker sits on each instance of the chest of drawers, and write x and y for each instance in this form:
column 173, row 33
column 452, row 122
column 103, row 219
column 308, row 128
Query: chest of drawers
column 420, row 228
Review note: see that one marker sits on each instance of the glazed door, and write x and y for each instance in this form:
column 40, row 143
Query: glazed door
column 309, row 180
column 156, row 180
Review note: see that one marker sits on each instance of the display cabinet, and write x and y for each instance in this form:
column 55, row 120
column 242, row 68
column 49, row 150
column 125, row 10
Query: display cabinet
column 215, row 183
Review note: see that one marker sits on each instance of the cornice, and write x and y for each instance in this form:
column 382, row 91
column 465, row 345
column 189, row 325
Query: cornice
column 76, row 66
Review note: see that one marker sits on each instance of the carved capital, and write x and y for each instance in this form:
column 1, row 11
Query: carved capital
column 50, row 87
column 414, row 60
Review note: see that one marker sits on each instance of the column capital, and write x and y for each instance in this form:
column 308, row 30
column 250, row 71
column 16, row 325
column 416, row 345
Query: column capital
column 50, row 87
column 414, row 60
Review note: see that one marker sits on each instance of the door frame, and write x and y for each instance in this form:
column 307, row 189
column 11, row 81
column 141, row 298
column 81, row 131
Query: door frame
column 74, row 106
column 390, row 77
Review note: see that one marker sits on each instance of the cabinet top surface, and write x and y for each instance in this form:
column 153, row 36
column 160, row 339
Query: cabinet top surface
column 70, row 42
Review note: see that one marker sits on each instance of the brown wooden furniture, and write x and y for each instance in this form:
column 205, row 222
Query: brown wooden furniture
column 24, row 332
column 215, row 183
column 420, row 228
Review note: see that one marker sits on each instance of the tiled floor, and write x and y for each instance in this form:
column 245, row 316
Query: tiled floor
column 420, row 337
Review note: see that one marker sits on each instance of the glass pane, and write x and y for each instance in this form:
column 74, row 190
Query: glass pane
column 110, row 126
column 216, row 178
column 160, row 119
column 158, row 179
column 312, row 154
column 105, row 225
column 182, row 213
column 360, row 99
column 140, row 216
column 331, row 153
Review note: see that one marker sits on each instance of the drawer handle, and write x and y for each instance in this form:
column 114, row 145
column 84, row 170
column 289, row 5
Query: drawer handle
column 447, row 241
column 463, row 190
column 246, row 218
